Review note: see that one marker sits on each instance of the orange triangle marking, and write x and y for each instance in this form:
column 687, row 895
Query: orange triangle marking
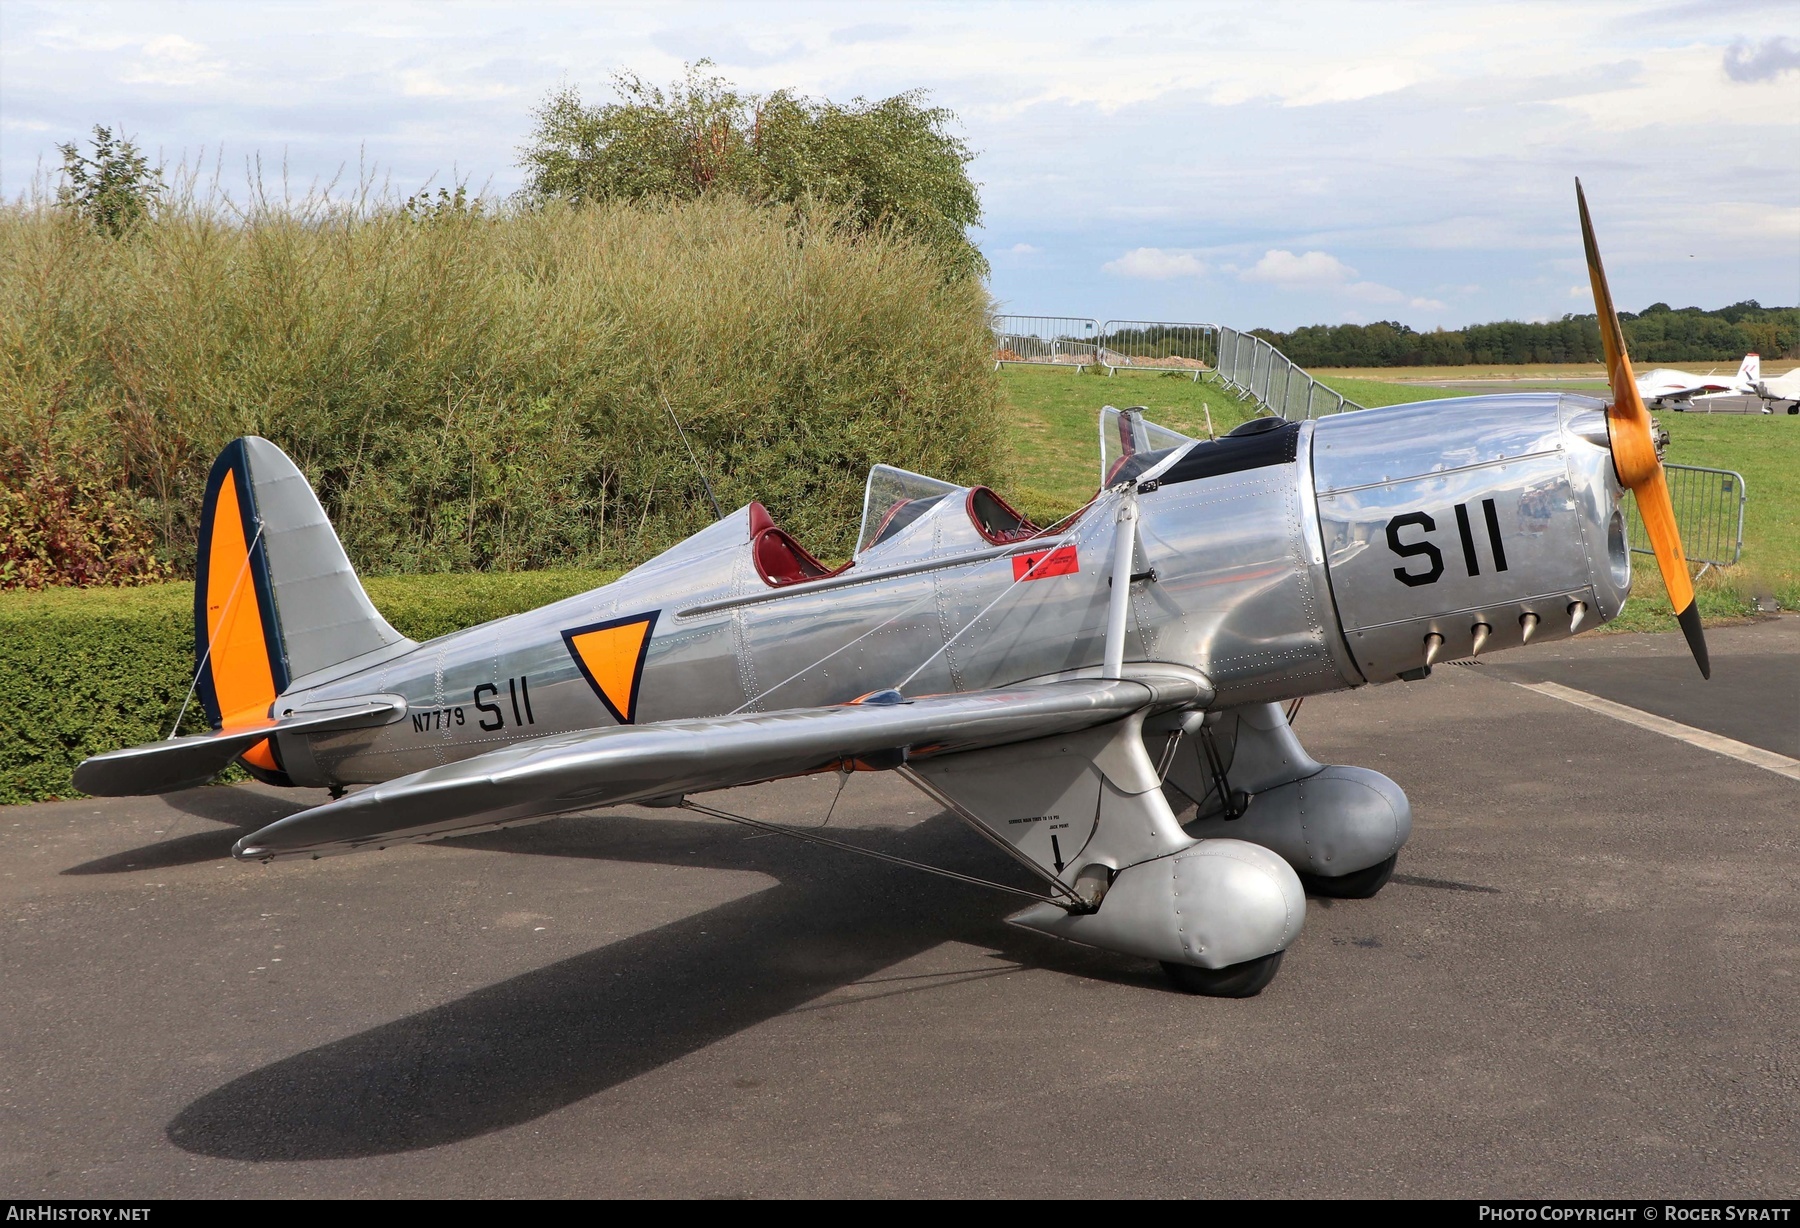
column 611, row 657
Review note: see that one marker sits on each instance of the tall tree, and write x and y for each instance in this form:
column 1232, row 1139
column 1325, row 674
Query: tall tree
column 893, row 162
column 115, row 189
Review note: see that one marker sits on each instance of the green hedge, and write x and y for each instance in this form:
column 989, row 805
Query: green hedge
column 90, row 670
column 490, row 392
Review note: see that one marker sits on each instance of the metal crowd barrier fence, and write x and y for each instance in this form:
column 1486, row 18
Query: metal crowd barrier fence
column 1257, row 370
column 1064, row 341
column 1154, row 345
column 1709, row 510
column 1244, row 362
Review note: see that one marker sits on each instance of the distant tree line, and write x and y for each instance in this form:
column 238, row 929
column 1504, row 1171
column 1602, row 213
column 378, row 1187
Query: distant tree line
column 1658, row 334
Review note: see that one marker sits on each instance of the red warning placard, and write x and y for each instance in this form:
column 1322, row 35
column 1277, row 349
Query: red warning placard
column 1046, row 563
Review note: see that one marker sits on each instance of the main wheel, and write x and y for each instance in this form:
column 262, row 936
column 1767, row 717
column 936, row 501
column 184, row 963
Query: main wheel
column 1360, row 885
column 1244, row 980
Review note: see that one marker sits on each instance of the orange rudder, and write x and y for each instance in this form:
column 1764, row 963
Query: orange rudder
column 237, row 638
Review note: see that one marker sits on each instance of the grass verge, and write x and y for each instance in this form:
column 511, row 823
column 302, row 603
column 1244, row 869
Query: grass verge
column 1054, row 416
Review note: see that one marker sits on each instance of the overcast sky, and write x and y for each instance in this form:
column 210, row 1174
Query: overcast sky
column 1251, row 164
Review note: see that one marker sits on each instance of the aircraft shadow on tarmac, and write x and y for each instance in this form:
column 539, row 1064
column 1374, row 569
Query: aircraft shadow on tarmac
column 1442, row 884
column 243, row 810
column 546, row 1039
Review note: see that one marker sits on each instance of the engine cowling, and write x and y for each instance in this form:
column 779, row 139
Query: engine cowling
column 1487, row 521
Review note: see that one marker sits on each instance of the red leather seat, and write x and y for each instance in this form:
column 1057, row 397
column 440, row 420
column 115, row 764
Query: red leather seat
column 996, row 520
column 779, row 558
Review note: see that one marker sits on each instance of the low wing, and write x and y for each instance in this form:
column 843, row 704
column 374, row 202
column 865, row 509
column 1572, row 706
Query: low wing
column 635, row 763
column 1663, row 384
column 176, row 763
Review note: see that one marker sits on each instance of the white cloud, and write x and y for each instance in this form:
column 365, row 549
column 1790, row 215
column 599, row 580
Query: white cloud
column 871, row 32
column 1322, row 271
column 1641, row 96
column 1359, row 81
column 174, row 47
column 69, row 37
column 1744, row 62
column 1374, row 292
column 1024, row 249
column 173, row 61
column 1283, row 268
column 1156, row 264
column 1210, row 135
column 417, row 83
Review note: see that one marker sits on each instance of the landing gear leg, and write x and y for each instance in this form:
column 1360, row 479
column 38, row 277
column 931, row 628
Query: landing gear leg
column 1244, row 980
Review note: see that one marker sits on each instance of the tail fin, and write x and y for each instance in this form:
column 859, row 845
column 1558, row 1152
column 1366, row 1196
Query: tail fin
column 1750, row 372
column 275, row 597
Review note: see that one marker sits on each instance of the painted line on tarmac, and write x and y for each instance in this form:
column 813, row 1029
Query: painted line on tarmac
column 1743, row 752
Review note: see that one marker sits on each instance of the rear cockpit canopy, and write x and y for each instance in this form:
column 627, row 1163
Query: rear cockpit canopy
column 907, row 514
column 1130, row 444
column 893, row 499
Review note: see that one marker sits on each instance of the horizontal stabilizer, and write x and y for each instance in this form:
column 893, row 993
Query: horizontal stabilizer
column 177, row 763
column 633, row 763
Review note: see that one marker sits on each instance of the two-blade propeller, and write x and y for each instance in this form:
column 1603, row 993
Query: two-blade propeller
column 1634, row 452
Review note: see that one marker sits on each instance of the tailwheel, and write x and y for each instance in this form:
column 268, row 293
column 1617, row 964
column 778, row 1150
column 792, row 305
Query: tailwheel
column 1244, row 980
column 1359, row 885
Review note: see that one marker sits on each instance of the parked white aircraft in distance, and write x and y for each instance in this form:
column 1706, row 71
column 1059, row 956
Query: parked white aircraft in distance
column 1781, row 388
column 1666, row 386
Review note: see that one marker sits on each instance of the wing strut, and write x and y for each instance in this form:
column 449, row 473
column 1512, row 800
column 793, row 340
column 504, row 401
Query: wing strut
column 962, row 812
column 798, row 834
column 1118, row 608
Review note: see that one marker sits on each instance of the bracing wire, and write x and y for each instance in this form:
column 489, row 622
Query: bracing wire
column 912, row 776
column 843, row 776
column 800, row 834
column 928, row 595
column 207, row 655
column 1073, row 534
column 704, row 484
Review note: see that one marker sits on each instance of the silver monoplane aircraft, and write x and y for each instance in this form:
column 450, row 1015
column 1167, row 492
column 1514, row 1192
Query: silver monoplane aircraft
column 1102, row 699
column 1665, row 387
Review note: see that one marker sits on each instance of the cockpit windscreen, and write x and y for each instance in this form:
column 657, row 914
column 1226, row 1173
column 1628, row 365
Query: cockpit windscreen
column 893, row 499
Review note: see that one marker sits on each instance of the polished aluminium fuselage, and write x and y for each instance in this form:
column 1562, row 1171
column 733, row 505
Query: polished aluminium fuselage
column 1275, row 582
